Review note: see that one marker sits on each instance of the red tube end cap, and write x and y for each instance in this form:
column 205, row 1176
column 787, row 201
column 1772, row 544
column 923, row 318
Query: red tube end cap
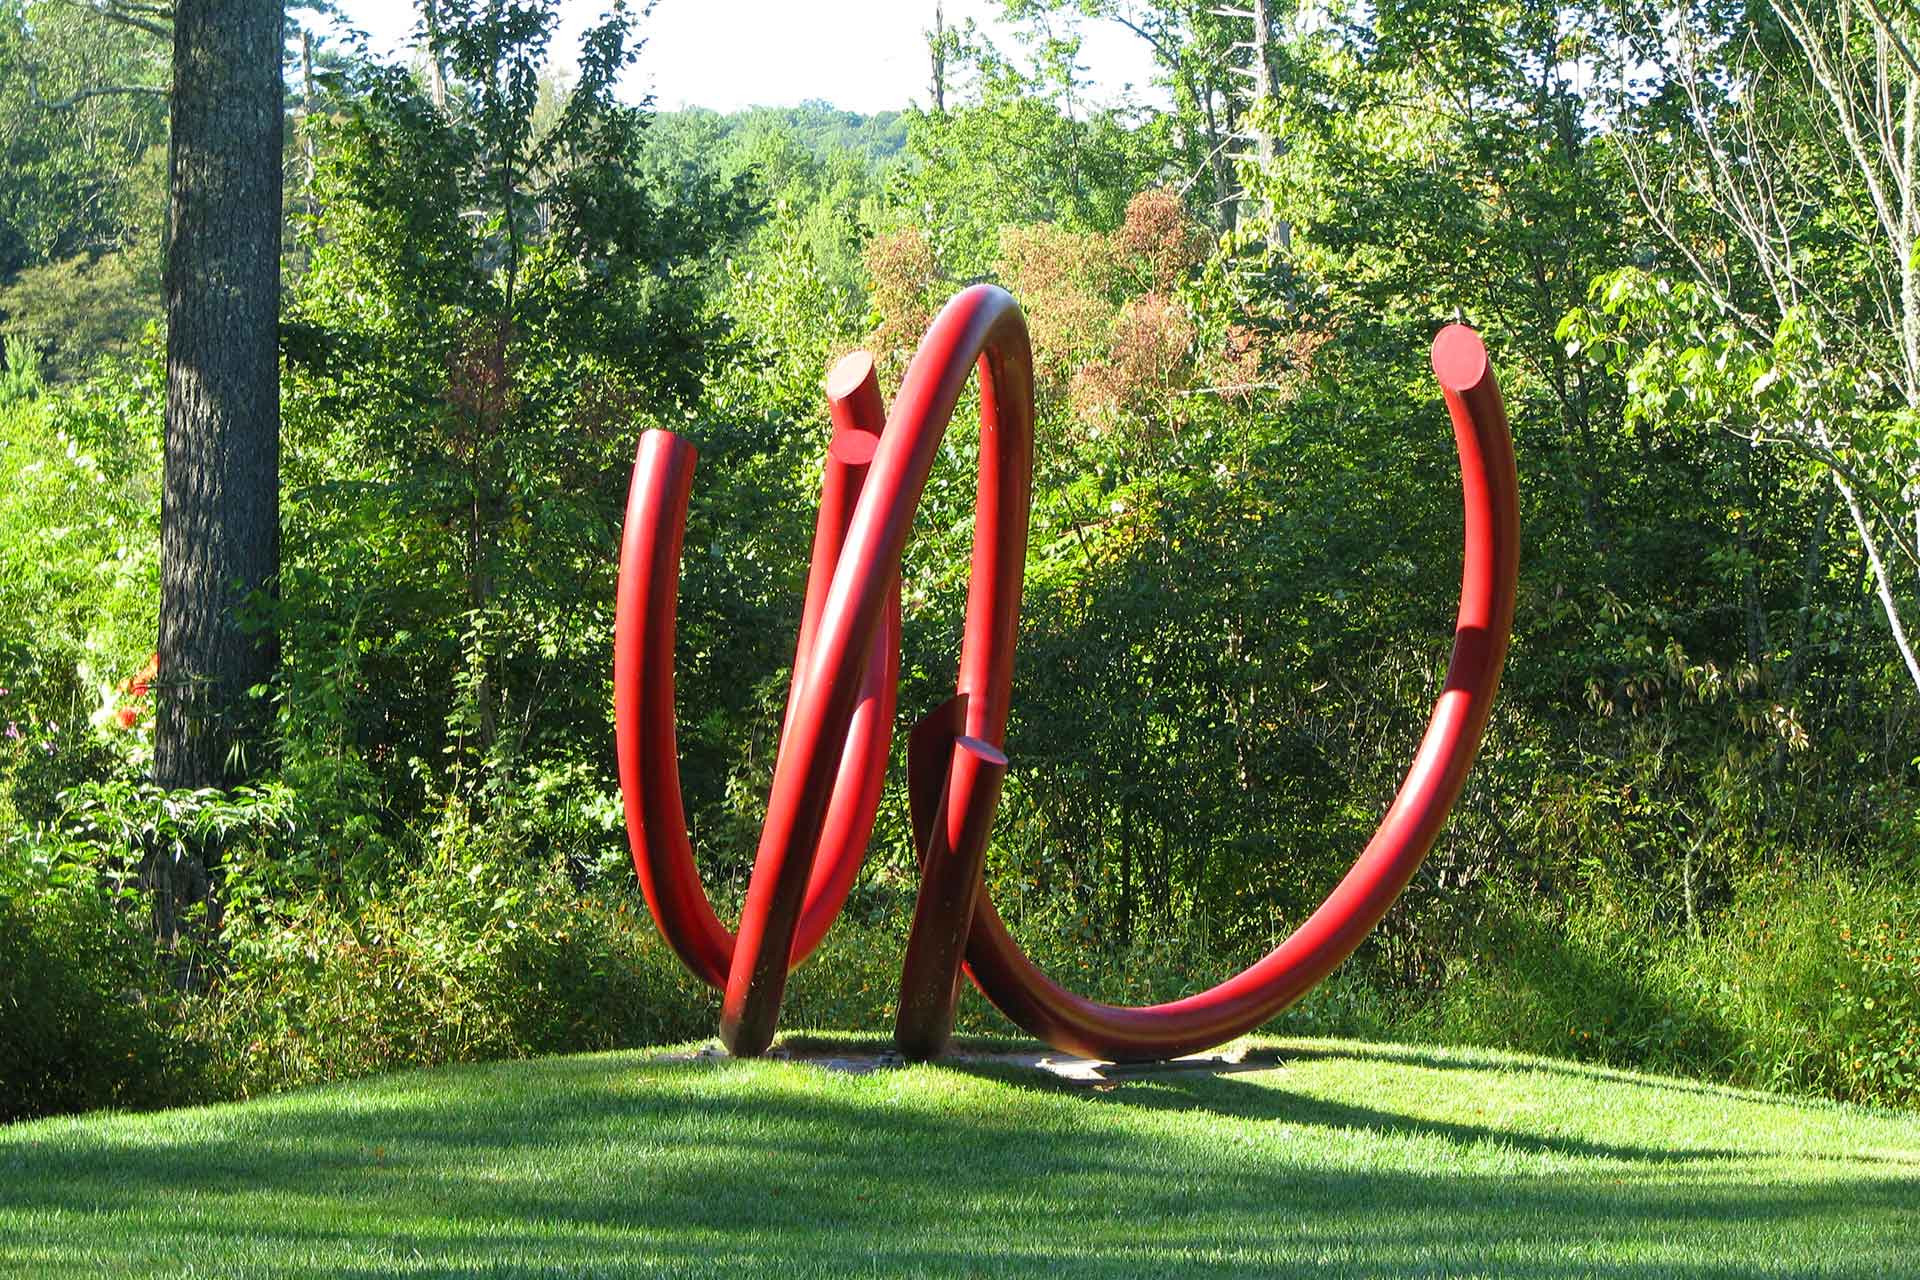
column 1459, row 358
column 848, row 373
column 853, row 448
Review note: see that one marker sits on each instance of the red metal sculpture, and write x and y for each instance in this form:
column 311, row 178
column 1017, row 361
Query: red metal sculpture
column 838, row 727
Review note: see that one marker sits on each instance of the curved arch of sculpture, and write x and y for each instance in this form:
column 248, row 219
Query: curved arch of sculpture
column 827, row 775
column 643, row 694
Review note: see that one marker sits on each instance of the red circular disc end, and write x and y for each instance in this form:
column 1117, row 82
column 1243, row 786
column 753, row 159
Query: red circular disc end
column 848, row 373
column 1459, row 358
column 853, row 448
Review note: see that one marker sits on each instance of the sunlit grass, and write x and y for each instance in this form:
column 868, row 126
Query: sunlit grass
column 1327, row 1157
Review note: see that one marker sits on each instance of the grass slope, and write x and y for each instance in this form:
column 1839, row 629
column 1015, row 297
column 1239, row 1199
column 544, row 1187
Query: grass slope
column 1336, row 1159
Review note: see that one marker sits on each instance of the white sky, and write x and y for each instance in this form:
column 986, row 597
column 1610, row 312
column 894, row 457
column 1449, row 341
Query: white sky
column 861, row 55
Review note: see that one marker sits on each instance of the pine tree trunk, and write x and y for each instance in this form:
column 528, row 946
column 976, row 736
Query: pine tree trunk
column 220, row 511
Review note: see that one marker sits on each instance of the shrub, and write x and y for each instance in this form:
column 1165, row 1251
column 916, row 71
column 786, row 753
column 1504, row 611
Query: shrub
column 1804, row 985
column 1575, row 986
column 852, row 982
column 20, row 377
column 474, row 954
column 79, row 581
column 1818, row 985
column 86, row 1015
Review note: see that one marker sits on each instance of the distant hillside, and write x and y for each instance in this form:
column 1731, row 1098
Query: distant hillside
column 821, row 126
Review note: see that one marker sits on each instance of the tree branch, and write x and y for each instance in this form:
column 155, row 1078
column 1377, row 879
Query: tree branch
column 154, row 19
column 72, row 99
column 1883, row 586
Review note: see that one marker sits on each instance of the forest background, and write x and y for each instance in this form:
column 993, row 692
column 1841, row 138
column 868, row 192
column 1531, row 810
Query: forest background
column 1689, row 233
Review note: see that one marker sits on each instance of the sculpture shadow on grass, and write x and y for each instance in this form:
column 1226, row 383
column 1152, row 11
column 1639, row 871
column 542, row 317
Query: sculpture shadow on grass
column 609, row 1166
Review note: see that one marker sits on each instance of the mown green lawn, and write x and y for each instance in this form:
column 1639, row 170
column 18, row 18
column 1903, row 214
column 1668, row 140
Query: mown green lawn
column 1332, row 1158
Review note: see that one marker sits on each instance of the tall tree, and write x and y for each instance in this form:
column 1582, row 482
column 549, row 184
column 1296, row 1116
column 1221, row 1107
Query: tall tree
column 511, row 274
column 1204, row 57
column 219, row 525
column 1023, row 144
column 81, row 104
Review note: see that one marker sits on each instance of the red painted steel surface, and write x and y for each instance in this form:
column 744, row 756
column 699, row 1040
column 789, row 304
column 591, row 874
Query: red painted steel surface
column 838, row 724
column 1330, row 934
column 980, row 325
column 953, row 847
column 643, row 691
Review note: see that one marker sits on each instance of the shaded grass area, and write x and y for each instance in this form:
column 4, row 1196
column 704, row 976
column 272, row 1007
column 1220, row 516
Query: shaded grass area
column 1330, row 1158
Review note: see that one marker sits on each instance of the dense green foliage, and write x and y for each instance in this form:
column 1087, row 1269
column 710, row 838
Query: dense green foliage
column 1692, row 840
column 83, row 129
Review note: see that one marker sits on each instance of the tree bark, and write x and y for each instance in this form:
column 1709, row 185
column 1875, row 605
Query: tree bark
column 436, row 67
column 937, row 48
column 220, row 509
column 1265, row 89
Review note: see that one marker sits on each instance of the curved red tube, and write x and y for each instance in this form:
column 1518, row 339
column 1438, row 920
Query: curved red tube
column 643, row 690
column 834, row 747
column 980, row 325
column 1238, row 1005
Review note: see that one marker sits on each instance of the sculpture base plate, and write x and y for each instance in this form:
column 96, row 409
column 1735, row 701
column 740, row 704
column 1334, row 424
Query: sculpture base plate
column 864, row 1057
